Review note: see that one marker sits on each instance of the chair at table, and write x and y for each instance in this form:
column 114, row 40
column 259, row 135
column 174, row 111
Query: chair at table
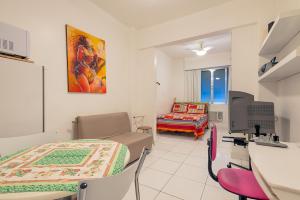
column 113, row 187
column 238, row 181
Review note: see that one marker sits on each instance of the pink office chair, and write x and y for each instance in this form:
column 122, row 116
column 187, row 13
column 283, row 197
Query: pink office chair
column 238, row 181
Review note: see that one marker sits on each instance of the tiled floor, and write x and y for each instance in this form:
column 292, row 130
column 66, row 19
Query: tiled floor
column 177, row 169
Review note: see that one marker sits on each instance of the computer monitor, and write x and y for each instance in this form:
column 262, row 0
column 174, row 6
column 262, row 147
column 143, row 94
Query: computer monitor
column 261, row 118
column 237, row 111
column 249, row 116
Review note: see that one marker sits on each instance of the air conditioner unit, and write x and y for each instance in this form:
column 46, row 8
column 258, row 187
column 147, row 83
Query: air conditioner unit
column 14, row 41
column 215, row 116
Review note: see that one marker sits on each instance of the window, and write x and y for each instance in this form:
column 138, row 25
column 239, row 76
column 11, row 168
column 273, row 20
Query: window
column 205, row 86
column 214, row 85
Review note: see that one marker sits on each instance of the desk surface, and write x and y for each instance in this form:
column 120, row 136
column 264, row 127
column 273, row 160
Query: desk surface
column 279, row 167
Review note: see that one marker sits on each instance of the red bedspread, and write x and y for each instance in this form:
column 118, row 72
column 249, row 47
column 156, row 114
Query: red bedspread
column 183, row 122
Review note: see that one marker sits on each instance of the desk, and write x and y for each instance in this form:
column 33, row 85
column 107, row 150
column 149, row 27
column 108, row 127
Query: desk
column 277, row 170
column 53, row 170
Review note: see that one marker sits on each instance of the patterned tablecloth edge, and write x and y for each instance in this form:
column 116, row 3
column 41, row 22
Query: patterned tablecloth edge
column 118, row 166
column 4, row 158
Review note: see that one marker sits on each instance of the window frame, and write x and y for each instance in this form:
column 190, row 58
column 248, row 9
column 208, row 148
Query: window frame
column 212, row 70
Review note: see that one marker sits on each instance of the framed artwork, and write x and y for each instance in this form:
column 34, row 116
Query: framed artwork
column 86, row 61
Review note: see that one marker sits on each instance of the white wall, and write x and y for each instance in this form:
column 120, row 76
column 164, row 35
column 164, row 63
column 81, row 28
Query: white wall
column 245, row 46
column 144, row 87
column 164, row 75
column 285, row 5
column 131, row 84
column 45, row 20
column 208, row 60
column 178, row 79
column 245, row 18
column 289, row 89
column 221, row 18
column 169, row 73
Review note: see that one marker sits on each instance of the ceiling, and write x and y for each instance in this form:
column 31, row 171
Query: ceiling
column 144, row 13
column 219, row 43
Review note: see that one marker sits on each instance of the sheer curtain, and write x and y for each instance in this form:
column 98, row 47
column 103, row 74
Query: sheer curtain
column 192, row 85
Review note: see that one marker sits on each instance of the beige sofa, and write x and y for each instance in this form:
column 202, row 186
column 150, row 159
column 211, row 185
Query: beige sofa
column 116, row 127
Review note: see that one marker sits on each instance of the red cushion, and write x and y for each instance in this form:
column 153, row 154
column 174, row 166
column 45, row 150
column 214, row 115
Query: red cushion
column 196, row 108
column 179, row 108
column 241, row 182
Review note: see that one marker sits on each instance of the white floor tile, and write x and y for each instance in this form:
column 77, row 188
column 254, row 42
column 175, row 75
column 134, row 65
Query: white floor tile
column 165, row 146
column 165, row 166
column 188, row 145
column 245, row 163
column 212, row 183
column 158, row 152
column 155, row 179
column 183, row 149
column 197, row 161
column 193, row 173
column 178, row 167
column 224, row 150
column 200, row 151
column 184, row 188
column 150, row 159
column 145, row 192
column 163, row 196
column 177, row 157
column 221, row 162
column 213, row 193
column 201, row 146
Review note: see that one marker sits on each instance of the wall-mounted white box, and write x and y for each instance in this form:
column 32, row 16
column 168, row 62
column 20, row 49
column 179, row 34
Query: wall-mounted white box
column 14, row 41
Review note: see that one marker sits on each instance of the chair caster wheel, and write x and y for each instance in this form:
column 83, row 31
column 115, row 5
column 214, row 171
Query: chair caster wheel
column 229, row 166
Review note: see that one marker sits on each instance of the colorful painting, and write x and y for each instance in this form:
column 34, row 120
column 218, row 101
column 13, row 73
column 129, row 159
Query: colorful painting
column 86, row 62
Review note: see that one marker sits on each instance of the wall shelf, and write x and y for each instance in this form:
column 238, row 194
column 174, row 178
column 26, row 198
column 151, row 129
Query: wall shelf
column 285, row 27
column 16, row 58
column 287, row 67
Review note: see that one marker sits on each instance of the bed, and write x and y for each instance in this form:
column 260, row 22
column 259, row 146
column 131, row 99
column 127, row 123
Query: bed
column 185, row 117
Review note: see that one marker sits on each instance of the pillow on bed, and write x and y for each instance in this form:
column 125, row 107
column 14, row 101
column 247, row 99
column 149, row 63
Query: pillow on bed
column 196, row 108
column 179, row 108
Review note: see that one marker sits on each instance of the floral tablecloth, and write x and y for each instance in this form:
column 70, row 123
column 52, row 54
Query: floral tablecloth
column 60, row 166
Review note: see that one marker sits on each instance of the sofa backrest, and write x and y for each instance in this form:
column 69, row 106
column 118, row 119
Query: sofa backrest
column 102, row 126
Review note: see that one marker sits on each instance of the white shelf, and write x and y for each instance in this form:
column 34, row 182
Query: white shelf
column 285, row 27
column 287, row 67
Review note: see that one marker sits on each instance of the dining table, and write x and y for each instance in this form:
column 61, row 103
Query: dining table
column 53, row 170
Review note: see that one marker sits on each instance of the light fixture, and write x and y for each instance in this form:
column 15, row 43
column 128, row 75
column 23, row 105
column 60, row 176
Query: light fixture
column 200, row 50
column 217, row 78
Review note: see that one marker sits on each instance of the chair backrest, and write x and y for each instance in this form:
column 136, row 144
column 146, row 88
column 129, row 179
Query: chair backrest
column 113, row 187
column 110, row 188
column 213, row 138
column 212, row 151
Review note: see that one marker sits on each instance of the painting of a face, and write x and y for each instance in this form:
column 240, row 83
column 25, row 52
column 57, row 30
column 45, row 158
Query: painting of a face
column 86, row 62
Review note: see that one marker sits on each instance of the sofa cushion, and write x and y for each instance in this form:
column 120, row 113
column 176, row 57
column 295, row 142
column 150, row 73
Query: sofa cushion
column 135, row 142
column 102, row 126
